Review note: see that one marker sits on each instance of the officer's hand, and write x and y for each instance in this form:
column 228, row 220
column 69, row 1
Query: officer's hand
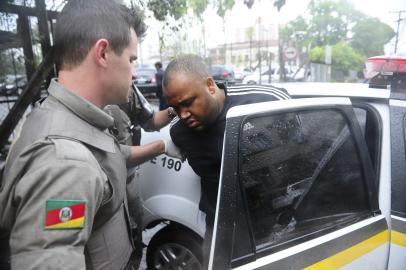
column 172, row 150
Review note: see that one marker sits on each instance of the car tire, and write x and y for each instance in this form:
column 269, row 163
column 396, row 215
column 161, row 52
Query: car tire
column 251, row 82
column 175, row 247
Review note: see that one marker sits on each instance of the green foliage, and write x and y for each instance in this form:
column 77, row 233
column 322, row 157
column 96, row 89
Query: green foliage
column 370, row 35
column 222, row 6
column 249, row 33
column 163, row 8
column 198, row 7
column 330, row 21
column 279, row 4
column 317, row 54
column 344, row 57
column 296, row 30
column 353, row 35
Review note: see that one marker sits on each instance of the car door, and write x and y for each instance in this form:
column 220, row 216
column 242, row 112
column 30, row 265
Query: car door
column 398, row 183
column 298, row 190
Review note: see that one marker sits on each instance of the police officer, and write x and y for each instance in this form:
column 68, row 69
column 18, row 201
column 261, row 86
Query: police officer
column 159, row 76
column 129, row 118
column 63, row 194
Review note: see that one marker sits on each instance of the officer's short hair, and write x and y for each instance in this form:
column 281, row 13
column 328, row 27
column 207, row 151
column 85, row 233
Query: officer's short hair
column 82, row 22
column 190, row 64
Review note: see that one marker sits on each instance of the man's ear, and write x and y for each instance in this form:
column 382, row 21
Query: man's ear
column 211, row 84
column 101, row 49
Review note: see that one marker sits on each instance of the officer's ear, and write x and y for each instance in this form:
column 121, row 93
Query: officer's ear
column 211, row 85
column 100, row 52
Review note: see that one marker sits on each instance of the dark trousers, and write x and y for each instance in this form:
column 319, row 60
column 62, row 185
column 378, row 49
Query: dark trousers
column 208, row 202
column 4, row 250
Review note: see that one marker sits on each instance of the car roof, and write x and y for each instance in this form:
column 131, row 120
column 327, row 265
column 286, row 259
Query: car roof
column 308, row 89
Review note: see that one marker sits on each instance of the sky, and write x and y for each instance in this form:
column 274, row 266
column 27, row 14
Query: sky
column 241, row 17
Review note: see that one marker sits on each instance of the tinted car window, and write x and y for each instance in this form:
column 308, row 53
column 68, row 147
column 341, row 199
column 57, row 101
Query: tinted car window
column 223, row 73
column 398, row 139
column 216, row 70
column 300, row 173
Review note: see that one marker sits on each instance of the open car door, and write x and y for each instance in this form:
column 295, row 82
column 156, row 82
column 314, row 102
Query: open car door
column 298, row 189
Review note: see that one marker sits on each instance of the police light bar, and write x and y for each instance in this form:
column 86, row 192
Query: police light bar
column 387, row 71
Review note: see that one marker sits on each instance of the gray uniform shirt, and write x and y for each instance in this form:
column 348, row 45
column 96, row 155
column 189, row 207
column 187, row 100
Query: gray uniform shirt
column 55, row 169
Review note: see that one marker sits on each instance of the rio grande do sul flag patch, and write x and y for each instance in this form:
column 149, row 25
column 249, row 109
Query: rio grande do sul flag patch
column 64, row 214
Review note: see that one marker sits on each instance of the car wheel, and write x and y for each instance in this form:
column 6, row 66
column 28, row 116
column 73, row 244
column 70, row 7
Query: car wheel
column 251, row 82
column 175, row 248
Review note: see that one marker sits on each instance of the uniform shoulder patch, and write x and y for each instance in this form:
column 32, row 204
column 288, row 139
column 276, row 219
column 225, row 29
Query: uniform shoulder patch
column 64, row 214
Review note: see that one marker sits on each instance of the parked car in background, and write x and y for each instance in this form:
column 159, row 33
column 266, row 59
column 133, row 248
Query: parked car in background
column 298, row 75
column 241, row 73
column 222, row 73
column 145, row 80
column 314, row 182
column 266, row 75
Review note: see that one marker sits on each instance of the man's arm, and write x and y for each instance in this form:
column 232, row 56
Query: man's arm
column 142, row 153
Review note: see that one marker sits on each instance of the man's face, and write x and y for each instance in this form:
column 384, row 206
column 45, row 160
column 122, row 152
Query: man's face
column 194, row 99
column 122, row 72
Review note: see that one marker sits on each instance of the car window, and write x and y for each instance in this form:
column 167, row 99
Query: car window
column 215, row 69
column 398, row 174
column 266, row 72
column 300, row 173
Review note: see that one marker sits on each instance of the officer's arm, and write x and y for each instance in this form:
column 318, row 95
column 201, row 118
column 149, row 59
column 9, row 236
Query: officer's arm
column 158, row 121
column 56, row 200
column 136, row 155
column 147, row 118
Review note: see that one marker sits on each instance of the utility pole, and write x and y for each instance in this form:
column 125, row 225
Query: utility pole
column 397, row 30
column 259, row 50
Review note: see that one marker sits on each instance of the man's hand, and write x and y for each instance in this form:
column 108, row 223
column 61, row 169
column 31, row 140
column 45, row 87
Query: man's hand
column 172, row 150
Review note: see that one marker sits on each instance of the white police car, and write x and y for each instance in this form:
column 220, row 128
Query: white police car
column 316, row 182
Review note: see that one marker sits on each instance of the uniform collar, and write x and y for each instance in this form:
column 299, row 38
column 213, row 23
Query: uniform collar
column 81, row 107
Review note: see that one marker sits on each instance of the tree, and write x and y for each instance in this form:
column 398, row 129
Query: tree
column 370, row 35
column 353, row 35
column 222, row 6
column 344, row 58
column 277, row 3
column 163, row 8
column 198, row 8
column 249, row 32
column 293, row 29
column 330, row 21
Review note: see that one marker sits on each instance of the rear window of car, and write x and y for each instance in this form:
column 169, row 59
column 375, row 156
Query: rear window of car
column 215, row 69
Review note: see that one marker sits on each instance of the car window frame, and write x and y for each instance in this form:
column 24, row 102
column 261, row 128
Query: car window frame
column 356, row 132
column 398, row 157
